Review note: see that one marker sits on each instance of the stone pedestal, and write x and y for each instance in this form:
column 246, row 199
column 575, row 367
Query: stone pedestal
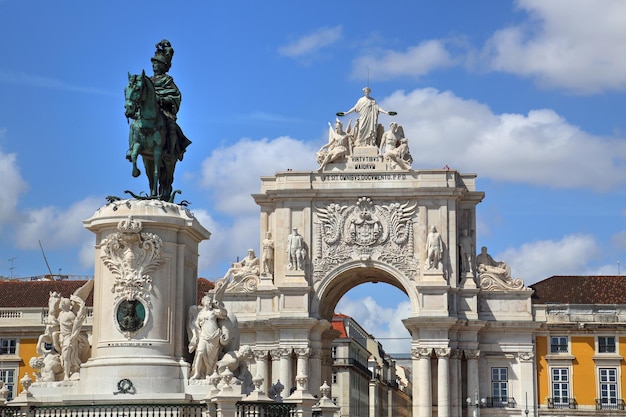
column 145, row 278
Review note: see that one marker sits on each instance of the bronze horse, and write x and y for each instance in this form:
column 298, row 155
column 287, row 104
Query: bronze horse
column 148, row 136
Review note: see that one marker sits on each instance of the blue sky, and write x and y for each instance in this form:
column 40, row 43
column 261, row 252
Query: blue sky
column 529, row 95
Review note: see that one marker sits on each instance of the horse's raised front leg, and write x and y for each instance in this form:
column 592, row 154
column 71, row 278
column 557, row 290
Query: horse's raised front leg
column 134, row 147
column 133, row 158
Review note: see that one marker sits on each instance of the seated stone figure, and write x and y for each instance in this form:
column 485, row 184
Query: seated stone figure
column 495, row 275
column 250, row 265
column 337, row 147
column 394, row 148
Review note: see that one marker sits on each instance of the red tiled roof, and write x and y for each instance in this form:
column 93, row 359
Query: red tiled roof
column 580, row 289
column 37, row 293
column 338, row 324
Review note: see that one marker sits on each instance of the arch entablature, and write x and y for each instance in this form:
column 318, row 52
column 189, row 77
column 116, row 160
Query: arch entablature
column 329, row 290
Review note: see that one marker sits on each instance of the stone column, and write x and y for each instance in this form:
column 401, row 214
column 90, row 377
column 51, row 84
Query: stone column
column 455, row 384
column 422, row 390
column 443, row 381
column 276, row 367
column 285, row 369
column 472, row 372
column 261, row 368
column 315, row 369
column 528, row 382
column 302, row 364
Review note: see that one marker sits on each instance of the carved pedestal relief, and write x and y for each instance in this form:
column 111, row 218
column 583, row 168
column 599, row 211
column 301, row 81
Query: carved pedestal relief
column 131, row 256
column 365, row 231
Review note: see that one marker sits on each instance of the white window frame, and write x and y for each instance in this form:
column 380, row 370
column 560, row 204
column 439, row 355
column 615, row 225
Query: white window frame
column 559, row 344
column 498, row 384
column 560, row 381
column 608, row 384
column 5, row 343
column 12, row 386
column 606, row 337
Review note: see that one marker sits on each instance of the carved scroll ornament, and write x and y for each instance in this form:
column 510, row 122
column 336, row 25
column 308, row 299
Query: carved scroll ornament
column 131, row 256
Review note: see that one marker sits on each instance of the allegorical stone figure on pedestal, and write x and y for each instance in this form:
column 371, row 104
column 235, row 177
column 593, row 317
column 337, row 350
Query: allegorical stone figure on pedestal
column 367, row 129
column 63, row 346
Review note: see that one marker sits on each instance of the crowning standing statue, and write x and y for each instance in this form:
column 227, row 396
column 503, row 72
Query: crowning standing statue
column 152, row 103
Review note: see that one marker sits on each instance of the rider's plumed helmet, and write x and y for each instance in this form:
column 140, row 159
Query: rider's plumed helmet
column 164, row 53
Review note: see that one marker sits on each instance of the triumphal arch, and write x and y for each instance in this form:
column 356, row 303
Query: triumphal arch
column 368, row 215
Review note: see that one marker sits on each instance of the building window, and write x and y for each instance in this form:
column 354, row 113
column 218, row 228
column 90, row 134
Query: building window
column 606, row 344
column 334, row 352
column 560, row 387
column 608, row 388
column 500, row 386
column 334, row 377
column 558, row 344
column 8, row 346
column 8, row 377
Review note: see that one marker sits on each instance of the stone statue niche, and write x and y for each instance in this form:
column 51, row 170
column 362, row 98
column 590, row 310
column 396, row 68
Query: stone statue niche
column 214, row 338
column 63, row 346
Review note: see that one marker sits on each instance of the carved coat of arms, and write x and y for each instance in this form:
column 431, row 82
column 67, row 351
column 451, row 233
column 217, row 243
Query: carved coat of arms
column 365, row 231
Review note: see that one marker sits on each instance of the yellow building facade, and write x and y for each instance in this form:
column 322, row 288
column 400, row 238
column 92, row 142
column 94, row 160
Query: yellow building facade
column 580, row 345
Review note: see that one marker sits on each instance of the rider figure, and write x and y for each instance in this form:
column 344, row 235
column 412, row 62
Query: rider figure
column 168, row 93
column 169, row 99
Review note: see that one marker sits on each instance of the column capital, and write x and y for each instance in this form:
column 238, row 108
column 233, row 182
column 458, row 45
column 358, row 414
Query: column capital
column 472, row 353
column 526, row 356
column 421, row 353
column 302, row 352
column 259, row 354
column 456, row 353
column 443, row 352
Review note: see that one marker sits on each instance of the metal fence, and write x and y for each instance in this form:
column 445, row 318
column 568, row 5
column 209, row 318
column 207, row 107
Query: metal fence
column 260, row 409
column 114, row 410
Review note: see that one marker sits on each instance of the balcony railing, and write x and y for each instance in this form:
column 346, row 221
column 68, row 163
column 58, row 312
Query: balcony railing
column 562, row 403
column 500, row 402
column 610, row 404
column 261, row 409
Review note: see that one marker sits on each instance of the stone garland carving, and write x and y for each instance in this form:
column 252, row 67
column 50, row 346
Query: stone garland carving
column 131, row 256
column 495, row 276
column 365, row 231
column 526, row 356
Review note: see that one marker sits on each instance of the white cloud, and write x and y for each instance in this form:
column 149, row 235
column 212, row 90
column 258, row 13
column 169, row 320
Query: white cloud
column 414, row 62
column 312, row 43
column 232, row 173
column 537, row 148
column 571, row 44
column 385, row 324
column 535, row 261
column 13, row 185
column 56, row 228
column 227, row 242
